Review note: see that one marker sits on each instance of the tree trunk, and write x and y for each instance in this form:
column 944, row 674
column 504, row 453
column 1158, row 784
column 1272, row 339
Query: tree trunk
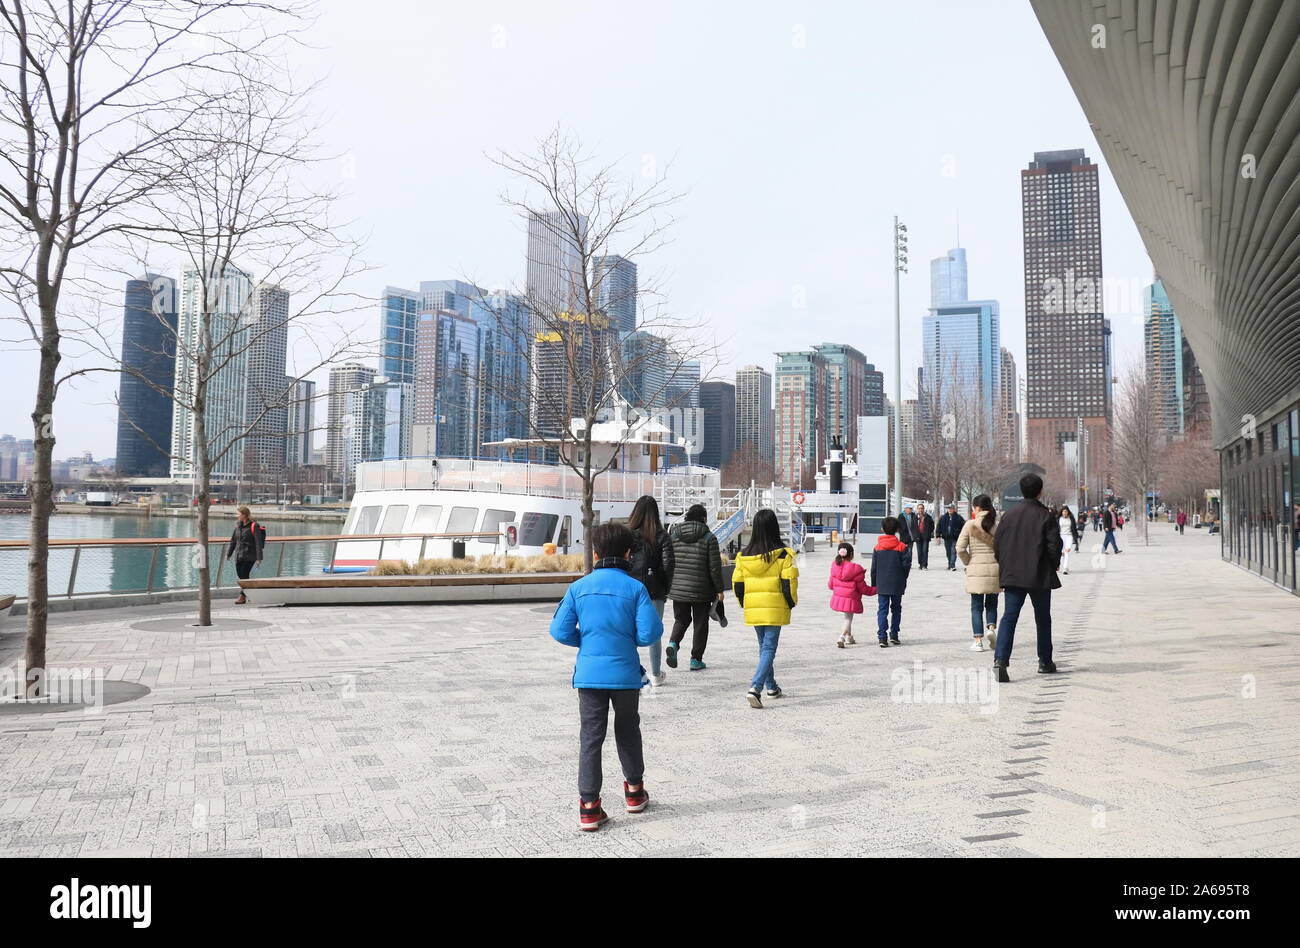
column 42, row 505
column 202, row 488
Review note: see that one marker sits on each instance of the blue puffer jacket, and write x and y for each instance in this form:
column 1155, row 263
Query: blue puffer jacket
column 606, row 615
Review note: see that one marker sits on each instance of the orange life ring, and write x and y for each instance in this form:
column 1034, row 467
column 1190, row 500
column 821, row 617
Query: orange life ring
column 798, row 497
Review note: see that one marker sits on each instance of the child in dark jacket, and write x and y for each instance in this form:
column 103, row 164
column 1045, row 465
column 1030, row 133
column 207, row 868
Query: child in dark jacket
column 891, row 561
column 606, row 615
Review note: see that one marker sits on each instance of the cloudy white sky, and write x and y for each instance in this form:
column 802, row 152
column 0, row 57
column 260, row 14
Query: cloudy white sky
column 797, row 129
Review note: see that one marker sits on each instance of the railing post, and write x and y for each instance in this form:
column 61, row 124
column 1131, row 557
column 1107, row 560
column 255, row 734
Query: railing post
column 279, row 560
column 72, row 576
column 423, row 543
column 334, row 554
column 153, row 562
column 221, row 564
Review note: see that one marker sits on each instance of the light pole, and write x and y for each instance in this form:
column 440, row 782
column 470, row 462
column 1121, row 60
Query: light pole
column 900, row 266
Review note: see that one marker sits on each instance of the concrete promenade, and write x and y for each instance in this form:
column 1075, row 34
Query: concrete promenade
column 452, row 730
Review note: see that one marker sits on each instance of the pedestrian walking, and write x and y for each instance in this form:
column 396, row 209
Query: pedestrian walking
column 890, row 564
column 1181, row 520
column 652, row 564
column 1108, row 519
column 905, row 527
column 247, row 543
column 950, row 527
column 1096, row 520
column 848, row 584
column 606, row 615
column 1069, row 536
column 975, row 547
column 766, row 582
column 1028, row 546
column 696, row 583
column 922, row 528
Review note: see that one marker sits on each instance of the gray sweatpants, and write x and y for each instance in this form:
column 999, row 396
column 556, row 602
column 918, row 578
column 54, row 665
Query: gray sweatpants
column 593, row 712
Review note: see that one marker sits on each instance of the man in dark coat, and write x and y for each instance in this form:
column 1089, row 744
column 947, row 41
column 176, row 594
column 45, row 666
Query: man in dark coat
column 950, row 525
column 1028, row 547
column 904, row 531
column 696, row 583
column 923, row 530
column 890, row 564
column 1108, row 520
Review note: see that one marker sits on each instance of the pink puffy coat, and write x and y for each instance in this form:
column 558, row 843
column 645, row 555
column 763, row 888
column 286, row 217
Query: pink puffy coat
column 848, row 584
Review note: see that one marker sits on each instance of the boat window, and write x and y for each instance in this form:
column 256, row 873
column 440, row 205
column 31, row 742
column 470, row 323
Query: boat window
column 367, row 521
column 462, row 520
column 394, row 518
column 492, row 520
column 537, row 528
column 351, row 521
column 563, row 541
column 426, row 519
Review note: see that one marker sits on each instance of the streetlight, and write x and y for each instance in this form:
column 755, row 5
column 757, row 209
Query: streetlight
column 900, row 266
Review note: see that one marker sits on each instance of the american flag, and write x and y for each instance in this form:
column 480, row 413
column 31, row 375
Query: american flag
column 799, row 445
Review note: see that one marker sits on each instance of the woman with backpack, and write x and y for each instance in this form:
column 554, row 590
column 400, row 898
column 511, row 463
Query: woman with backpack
column 975, row 549
column 766, row 582
column 246, row 545
column 652, row 564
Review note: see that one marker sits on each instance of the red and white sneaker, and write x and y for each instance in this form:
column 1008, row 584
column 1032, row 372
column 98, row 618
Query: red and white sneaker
column 591, row 816
column 636, row 800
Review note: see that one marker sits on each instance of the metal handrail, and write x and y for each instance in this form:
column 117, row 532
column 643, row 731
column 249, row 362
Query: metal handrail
column 156, row 545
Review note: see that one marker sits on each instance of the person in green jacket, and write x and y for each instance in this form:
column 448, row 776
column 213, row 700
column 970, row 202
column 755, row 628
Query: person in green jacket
column 696, row 583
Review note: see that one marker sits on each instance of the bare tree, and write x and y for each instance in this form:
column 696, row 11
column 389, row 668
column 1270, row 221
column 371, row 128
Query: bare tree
column 91, row 90
column 264, row 272
column 1190, row 468
column 956, row 452
column 1139, row 441
column 573, row 367
column 747, row 466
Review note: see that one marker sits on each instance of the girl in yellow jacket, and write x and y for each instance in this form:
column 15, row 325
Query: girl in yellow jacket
column 766, row 582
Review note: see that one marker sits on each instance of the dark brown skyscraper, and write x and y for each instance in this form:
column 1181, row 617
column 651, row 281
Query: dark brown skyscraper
column 1066, row 331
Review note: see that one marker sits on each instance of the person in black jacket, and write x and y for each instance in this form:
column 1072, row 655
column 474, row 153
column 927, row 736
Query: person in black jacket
column 652, row 564
column 923, row 530
column 1108, row 521
column 950, row 525
column 246, row 547
column 890, row 564
column 1028, row 547
column 904, row 533
column 696, row 583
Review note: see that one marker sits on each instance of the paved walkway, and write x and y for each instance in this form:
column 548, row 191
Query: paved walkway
column 452, row 730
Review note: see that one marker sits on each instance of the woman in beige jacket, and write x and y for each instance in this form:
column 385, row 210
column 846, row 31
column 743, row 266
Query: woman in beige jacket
column 975, row 547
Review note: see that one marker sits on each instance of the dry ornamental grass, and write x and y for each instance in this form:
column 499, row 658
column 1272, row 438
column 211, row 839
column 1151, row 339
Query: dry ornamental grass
column 571, row 563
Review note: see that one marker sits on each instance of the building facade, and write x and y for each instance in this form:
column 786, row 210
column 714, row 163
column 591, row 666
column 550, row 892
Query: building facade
column 844, row 392
column 800, row 416
column 267, row 401
column 144, row 420
column 873, row 391
column 1067, row 337
column 962, row 351
column 349, row 421
column 555, row 281
column 948, row 279
column 1010, row 429
column 718, row 439
column 1163, row 349
column 614, row 284
column 755, row 416
column 302, row 422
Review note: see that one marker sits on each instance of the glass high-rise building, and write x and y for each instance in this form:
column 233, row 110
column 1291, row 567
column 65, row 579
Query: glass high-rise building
column 755, row 418
column 961, row 344
column 873, row 391
column 643, row 379
column 948, row 283
column 718, row 406
column 503, row 326
column 800, row 416
column 144, row 423
column 1066, row 333
column 266, row 409
column 614, row 285
column 225, row 324
column 397, row 312
column 844, row 393
column 554, row 280
column 1163, row 345
column 302, row 415
column 446, row 385
column 350, row 421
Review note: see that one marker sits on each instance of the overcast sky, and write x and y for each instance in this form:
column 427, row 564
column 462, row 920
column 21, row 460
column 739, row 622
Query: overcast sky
column 797, row 129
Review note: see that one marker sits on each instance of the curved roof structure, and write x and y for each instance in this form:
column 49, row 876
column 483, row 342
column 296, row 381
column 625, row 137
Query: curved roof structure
column 1196, row 106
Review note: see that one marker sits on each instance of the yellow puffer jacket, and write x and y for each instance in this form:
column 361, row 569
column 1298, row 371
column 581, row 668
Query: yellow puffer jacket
column 767, row 589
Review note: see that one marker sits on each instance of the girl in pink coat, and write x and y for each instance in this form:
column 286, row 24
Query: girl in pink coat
column 848, row 584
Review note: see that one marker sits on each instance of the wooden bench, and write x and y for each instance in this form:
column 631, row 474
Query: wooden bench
column 336, row 590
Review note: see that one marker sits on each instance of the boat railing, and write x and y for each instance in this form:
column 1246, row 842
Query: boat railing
column 97, row 567
column 519, row 477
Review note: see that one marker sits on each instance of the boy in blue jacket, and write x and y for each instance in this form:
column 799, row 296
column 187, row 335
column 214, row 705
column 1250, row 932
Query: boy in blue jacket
column 607, row 615
column 891, row 561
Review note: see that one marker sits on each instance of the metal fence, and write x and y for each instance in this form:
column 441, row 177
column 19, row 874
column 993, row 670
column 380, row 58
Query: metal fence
column 157, row 564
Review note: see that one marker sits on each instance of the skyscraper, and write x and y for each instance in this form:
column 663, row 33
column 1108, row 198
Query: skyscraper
column 873, row 391
column 755, row 419
column 554, row 279
column 225, row 324
column 1009, row 430
column 844, row 393
column 718, row 406
column 302, row 415
column 1067, row 337
column 1163, row 346
column 397, row 312
column 446, row 384
column 144, row 423
column 349, row 423
column 503, row 394
column 266, row 408
column 614, row 284
column 962, row 348
column 948, row 278
column 643, row 380
column 800, row 416
column 454, row 295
